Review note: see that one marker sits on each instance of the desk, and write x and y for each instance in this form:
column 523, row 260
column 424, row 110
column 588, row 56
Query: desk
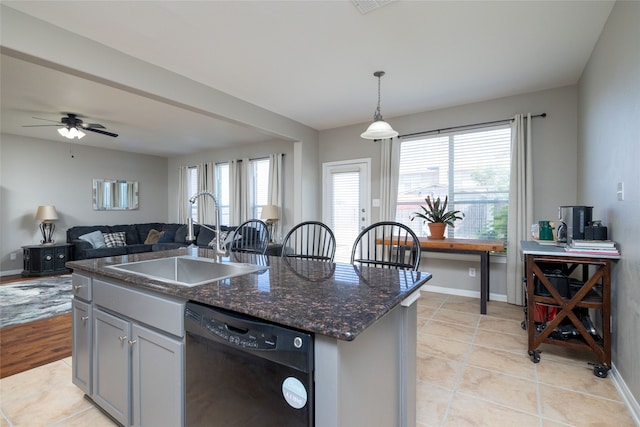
column 468, row 246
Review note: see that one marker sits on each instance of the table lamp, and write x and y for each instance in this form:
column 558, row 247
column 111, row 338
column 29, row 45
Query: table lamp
column 270, row 215
column 47, row 214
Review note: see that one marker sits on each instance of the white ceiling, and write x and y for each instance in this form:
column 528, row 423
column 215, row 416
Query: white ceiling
column 310, row 61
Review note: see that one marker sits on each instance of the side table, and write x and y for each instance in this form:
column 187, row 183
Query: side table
column 46, row 260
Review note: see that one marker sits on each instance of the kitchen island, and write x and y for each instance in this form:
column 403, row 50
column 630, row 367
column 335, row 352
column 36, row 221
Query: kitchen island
column 363, row 321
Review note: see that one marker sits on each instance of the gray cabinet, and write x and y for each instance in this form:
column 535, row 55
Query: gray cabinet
column 111, row 390
column 82, row 332
column 81, row 347
column 137, row 367
column 157, row 378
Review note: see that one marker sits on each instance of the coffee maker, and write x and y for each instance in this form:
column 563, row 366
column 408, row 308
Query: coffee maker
column 573, row 220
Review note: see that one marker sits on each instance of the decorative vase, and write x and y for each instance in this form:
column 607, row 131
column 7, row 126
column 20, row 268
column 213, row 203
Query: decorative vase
column 436, row 230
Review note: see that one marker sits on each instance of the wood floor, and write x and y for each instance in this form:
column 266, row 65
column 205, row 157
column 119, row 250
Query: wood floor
column 33, row 344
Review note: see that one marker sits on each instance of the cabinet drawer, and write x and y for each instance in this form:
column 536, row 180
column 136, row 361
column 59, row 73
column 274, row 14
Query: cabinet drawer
column 81, row 286
column 161, row 312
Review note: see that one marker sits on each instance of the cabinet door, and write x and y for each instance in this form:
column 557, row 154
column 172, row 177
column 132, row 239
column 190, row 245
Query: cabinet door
column 158, row 386
column 61, row 256
column 81, row 361
column 47, row 258
column 111, row 367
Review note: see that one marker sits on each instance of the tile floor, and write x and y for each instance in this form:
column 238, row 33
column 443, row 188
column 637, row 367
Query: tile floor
column 472, row 370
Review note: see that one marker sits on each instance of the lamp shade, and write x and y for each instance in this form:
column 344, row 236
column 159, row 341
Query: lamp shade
column 379, row 130
column 47, row 213
column 270, row 212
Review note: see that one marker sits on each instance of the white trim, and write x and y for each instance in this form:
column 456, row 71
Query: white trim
column 627, row 396
column 461, row 292
column 10, row 272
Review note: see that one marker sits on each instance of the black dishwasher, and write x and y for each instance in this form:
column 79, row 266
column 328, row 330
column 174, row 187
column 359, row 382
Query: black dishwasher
column 241, row 371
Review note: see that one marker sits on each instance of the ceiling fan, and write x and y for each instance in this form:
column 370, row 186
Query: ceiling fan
column 72, row 126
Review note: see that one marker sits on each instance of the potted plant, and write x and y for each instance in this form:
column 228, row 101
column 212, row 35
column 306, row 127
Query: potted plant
column 437, row 217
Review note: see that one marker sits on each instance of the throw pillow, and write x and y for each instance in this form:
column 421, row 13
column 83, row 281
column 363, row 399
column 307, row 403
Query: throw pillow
column 153, row 237
column 95, row 238
column 168, row 236
column 112, row 240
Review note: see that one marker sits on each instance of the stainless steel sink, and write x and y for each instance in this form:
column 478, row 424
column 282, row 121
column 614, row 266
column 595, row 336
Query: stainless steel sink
column 187, row 270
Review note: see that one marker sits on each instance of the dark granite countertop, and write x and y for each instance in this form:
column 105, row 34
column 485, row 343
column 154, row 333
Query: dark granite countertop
column 333, row 299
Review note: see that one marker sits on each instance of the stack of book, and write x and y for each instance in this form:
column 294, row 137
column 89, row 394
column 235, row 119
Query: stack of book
column 593, row 247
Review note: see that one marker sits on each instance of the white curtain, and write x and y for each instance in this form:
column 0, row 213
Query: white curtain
column 520, row 204
column 206, row 208
column 239, row 191
column 183, row 196
column 235, row 208
column 245, row 202
column 390, row 170
column 275, row 190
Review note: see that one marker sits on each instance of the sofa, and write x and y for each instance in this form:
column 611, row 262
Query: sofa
column 96, row 241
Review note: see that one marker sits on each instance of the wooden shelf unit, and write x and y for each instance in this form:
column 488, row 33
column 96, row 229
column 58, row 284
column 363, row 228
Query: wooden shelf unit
column 591, row 291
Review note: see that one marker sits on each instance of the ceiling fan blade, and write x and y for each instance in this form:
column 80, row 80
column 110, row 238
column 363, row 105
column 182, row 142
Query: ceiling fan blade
column 52, row 121
column 93, row 126
column 103, row 132
column 36, row 126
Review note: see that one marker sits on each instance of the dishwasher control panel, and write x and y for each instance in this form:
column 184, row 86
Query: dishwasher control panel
column 245, row 338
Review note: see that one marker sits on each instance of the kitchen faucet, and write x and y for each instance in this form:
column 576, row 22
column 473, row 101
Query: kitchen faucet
column 191, row 237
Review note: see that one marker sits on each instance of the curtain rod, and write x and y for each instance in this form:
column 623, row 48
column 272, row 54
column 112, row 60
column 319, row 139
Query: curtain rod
column 495, row 122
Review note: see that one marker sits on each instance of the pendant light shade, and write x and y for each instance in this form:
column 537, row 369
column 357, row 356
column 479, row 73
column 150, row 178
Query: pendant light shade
column 379, row 129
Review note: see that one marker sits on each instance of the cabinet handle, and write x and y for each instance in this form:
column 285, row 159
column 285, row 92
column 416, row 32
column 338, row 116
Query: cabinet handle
column 61, row 256
column 132, row 342
column 84, row 318
column 76, row 287
column 48, row 257
column 122, row 338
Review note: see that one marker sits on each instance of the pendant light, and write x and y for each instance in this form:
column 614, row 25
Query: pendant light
column 379, row 129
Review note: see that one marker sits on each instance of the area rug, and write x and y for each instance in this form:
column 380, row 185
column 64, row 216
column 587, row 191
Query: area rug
column 30, row 300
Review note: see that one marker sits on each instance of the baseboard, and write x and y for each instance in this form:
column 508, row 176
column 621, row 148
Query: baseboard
column 629, row 399
column 10, row 272
column 461, row 292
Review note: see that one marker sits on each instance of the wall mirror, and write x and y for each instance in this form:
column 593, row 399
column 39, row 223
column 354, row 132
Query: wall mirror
column 115, row 194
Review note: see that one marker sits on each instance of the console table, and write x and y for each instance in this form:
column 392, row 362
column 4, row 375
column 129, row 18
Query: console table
column 46, row 260
column 468, row 246
column 472, row 247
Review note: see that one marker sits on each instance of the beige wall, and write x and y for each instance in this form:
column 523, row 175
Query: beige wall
column 36, row 172
column 554, row 159
column 608, row 152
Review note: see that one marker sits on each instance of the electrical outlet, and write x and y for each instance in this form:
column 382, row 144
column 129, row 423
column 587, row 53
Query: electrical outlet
column 12, row 257
column 472, row 272
column 620, row 191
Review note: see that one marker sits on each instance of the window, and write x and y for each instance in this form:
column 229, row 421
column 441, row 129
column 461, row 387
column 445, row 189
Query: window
column 258, row 186
column 192, row 188
column 471, row 167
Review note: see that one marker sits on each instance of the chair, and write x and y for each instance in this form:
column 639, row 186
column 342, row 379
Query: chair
column 251, row 236
column 310, row 240
column 387, row 244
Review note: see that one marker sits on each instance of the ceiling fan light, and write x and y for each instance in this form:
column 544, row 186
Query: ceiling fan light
column 379, row 130
column 71, row 133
